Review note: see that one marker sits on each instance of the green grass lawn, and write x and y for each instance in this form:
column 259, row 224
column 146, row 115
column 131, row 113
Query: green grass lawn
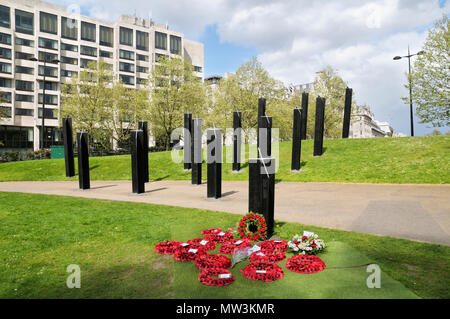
column 113, row 243
column 381, row 160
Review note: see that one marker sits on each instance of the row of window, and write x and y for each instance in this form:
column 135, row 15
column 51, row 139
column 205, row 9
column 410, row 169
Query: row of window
column 69, row 30
column 23, row 137
column 49, row 113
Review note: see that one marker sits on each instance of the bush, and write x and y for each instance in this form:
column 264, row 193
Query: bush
column 42, row 154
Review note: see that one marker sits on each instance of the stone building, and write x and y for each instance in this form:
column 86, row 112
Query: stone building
column 35, row 29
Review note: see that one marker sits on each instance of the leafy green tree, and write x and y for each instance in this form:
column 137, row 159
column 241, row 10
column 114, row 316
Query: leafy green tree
column 430, row 77
column 241, row 91
column 174, row 90
column 331, row 86
column 102, row 106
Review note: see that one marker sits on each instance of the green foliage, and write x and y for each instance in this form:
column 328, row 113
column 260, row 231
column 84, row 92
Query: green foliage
column 430, row 77
column 102, row 106
column 175, row 90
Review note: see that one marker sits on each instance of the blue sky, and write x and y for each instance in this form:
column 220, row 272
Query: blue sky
column 294, row 39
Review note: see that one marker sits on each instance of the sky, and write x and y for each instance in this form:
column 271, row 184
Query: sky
column 293, row 39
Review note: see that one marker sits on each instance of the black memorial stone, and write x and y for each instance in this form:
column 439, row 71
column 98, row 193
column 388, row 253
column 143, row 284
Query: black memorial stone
column 265, row 136
column 261, row 113
column 237, row 140
column 187, row 140
column 68, row 146
column 214, row 163
column 143, row 126
column 137, row 161
column 196, row 150
column 262, row 189
column 347, row 112
column 305, row 99
column 297, row 140
column 83, row 161
column 318, row 132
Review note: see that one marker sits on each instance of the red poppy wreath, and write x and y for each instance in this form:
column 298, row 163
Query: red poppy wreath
column 213, row 261
column 252, row 227
column 264, row 271
column 274, row 244
column 220, row 237
column 229, row 247
column 224, row 277
column 167, row 247
column 305, row 264
column 207, row 244
column 188, row 253
column 211, row 231
column 267, row 255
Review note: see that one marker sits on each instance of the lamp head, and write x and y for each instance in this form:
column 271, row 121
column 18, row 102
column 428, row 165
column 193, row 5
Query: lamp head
column 397, row 57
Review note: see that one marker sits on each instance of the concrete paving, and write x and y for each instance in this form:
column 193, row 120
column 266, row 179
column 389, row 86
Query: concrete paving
column 416, row 212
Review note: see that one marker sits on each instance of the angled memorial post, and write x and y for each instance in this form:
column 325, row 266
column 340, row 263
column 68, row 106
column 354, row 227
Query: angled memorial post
column 187, row 141
column 261, row 113
column 237, row 141
column 347, row 112
column 214, row 163
column 297, row 140
column 83, row 161
column 318, row 132
column 261, row 197
column 143, row 126
column 137, row 161
column 265, row 136
column 68, row 146
column 305, row 100
column 196, row 152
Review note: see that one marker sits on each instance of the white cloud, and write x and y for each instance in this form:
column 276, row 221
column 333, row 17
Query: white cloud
column 296, row 38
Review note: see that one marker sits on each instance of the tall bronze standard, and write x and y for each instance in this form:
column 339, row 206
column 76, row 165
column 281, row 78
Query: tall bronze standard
column 297, row 140
column 137, row 161
column 347, row 112
column 237, row 140
column 68, row 146
column 214, row 163
column 143, row 126
column 187, row 141
column 318, row 132
column 305, row 100
column 83, row 161
column 196, row 149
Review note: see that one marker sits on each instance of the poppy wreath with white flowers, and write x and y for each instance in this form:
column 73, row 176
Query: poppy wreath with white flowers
column 305, row 264
column 274, row 244
column 186, row 253
column 205, row 277
column 267, row 255
column 167, row 247
column 211, row 231
column 213, row 261
column 262, row 270
column 209, row 245
column 229, row 247
column 252, row 227
column 220, row 237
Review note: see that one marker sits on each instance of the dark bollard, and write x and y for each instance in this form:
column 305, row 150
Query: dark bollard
column 214, row 161
column 143, row 126
column 318, row 132
column 347, row 112
column 262, row 190
column 137, row 161
column 305, row 99
column 83, row 161
column 237, row 141
column 196, row 149
column 297, row 140
column 68, row 146
column 187, row 141
column 261, row 113
column 265, row 136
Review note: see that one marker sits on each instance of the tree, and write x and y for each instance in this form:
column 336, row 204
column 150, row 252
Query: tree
column 331, row 86
column 175, row 90
column 102, row 106
column 430, row 77
column 241, row 91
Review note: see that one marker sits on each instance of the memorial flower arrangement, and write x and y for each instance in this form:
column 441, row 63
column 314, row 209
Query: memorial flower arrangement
column 308, row 244
column 252, row 227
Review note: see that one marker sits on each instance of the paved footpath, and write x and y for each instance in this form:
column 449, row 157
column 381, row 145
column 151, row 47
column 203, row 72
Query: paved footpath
column 417, row 212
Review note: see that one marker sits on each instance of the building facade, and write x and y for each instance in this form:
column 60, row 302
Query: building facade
column 35, row 29
column 364, row 125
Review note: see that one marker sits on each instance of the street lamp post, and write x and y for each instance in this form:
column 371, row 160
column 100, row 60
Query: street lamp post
column 410, row 84
column 43, row 98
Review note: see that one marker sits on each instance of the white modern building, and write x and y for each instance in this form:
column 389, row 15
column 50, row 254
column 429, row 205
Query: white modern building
column 35, row 29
